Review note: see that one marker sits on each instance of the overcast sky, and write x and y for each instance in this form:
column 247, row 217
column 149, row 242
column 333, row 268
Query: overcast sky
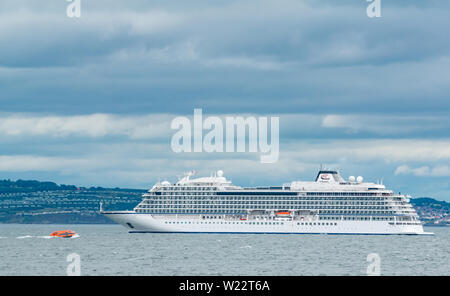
column 89, row 101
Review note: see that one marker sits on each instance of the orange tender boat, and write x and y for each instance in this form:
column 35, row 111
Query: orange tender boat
column 63, row 233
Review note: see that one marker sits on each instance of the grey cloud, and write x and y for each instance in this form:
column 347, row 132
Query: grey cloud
column 301, row 56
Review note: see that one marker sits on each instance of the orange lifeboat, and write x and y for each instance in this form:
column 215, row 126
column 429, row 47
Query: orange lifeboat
column 63, row 233
column 284, row 213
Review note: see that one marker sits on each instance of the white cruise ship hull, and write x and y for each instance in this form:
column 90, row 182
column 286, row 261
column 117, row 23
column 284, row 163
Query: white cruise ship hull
column 136, row 222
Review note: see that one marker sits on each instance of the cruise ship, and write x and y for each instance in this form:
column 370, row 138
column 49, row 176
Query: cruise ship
column 328, row 205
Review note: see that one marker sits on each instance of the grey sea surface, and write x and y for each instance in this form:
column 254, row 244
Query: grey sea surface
column 111, row 250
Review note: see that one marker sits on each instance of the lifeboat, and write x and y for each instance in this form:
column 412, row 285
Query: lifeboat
column 63, row 233
column 287, row 213
column 243, row 219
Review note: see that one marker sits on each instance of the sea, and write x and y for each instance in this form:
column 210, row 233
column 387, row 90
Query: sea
column 100, row 250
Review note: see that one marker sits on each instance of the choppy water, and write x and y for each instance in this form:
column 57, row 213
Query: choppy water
column 110, row 250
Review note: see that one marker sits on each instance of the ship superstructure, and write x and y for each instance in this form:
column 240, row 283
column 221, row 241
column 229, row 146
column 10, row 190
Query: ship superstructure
column 329, row 204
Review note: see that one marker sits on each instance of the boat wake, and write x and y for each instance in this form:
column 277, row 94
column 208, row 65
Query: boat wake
column 25, row 236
